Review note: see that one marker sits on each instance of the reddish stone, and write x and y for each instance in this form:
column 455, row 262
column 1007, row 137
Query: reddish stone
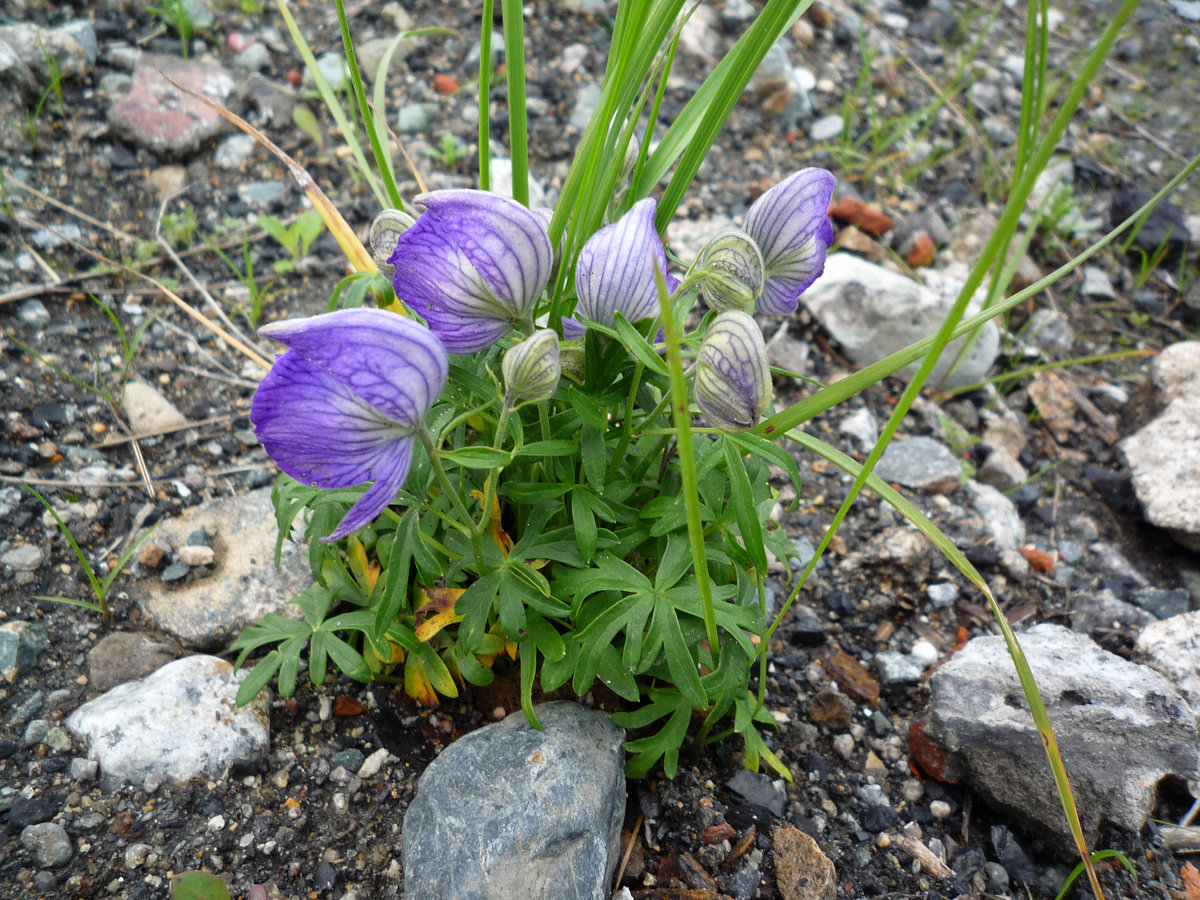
column 920, row 250
column 161, row 118
column 853, row 678
column 345, row 706
column 831, row 709
column 855, row 212
column 718, row 833
column 1039, row 560
column 445, row 84
column 929, row 757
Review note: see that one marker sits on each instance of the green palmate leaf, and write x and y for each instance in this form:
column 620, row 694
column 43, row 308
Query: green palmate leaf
column 663, row 744
column 628, row 614
column 475, row 605
column 674, row 563
column 681, row 663
column 512, row 596
column 615, row 674
column 755, row 748
column 399, row 565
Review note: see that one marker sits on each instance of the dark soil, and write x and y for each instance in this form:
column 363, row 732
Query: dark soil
column 304, row 826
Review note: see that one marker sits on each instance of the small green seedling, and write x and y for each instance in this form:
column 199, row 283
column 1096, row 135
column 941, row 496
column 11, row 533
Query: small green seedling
column 449, row 151
column 100, row 588
column 296, row 238
column 252, row 311
column 175, row 15
column 32, row 116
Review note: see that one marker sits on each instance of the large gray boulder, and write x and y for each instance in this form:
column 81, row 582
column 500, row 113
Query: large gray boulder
column 872, row 312
column 1121, row 729
column 508, row 811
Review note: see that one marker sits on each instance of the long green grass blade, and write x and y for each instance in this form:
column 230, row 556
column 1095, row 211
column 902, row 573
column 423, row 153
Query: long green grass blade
column 484, row 94
column 518, row 132
column 383, row 159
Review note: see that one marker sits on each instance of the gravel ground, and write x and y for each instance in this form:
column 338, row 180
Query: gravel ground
column 308, row 821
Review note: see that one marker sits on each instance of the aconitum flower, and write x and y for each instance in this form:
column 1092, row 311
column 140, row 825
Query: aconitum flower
column 615, row 269
column 790, row 224
column 733, row 380
column 472, row 266
column 342, row 405
column 732, row 267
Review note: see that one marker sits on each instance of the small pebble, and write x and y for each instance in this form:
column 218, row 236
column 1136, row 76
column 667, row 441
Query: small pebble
column 939, row 809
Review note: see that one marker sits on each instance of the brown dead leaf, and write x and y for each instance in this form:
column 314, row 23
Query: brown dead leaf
column 1191, row 881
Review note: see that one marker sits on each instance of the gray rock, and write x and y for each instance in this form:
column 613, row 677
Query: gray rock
column 1161, row 604
column 1187, row 9
column 873, row 312
column 255, row 58
column 1172, row 647
column 23, row 558
column 127, row 656
column 1001, row 470
column 162, row 119
column 234, row 150
column 898, row 668
column 920, row 463
column 999, row 516
column 48, row 843
column 508, row 811
column 21, row 643
column 1049, row 332
column 178, row 723
column 1101, row 613
column 759, row 790
column 84, row 769
column 1121, row 729
column 260, row 193
column 942, row 594
column 1164, row 455
column 585, row 104
column 415, row 118
column 33, row 312
column 861, row 428
column 1097, row 284
column 242, row 587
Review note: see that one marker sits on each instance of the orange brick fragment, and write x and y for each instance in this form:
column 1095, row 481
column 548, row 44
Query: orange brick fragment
column 718, row 833
column 345, row 706
column 1039, row 560
column 920, row 251
column 868, row 218
column 445, row 84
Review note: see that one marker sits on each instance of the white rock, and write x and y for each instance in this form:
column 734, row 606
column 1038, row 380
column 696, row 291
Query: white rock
column 1164, row 455
column 197, row 555
column 1173, row 649
column 148, row 410
column 1000, row 517
column 873, row 312
column 179, row 722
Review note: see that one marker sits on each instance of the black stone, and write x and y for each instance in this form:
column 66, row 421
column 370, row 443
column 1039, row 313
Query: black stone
column 325, row 877
column 757, row 789
column 1114, row 488
column 879, row 818
column 48, row 416
column 1010, row 854
column 24, row 813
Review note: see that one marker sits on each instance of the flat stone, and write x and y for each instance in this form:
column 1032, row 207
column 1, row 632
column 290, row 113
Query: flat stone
column 872, row 312
column 897, row 668
column 243, row 585
column 827, row 127
column 179, row 722
column 23, row 558
column 164, row 120
column 21, row 643
column 48, row 843
column 127, row 656
column 922, row 464
column 999, row 516
column 509, row 811
column 1164, row 455
column 802, row 871
column 1172, row 648
column 1121, row 728
column 148, row 410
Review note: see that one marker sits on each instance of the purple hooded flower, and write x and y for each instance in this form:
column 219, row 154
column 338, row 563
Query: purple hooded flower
column 733, row 380
column 615, row 269
column 342, row 405
column 472, row 266
column 790, row 224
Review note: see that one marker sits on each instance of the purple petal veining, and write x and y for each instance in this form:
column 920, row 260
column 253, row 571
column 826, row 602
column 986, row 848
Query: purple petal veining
column 790, row 224
column 472, row 266
column 341, row 405
column 616, row 268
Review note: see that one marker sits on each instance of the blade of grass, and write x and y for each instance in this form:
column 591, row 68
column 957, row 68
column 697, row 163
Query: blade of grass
column 518, row 135
column 484, row 94
column 335, row 108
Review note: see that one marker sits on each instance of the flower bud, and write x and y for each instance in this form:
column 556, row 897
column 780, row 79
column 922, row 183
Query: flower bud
column 531, row 368
column 385, row 232
column 732, row 268
column 571, row 357
column 733, row 380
